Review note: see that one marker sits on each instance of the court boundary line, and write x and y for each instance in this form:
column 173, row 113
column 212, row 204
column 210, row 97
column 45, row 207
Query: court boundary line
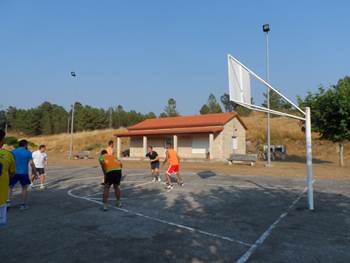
column 123, row 189
column 244, row 258
column 190, row 229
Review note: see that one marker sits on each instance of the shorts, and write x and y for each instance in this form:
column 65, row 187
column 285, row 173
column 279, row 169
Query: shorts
column 155, row 165
column 38, row 171
column 3, row 214
column 173, row 169
column 22, row 178
column 113, row 177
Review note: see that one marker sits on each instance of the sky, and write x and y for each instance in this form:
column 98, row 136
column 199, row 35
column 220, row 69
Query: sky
column 140, row 53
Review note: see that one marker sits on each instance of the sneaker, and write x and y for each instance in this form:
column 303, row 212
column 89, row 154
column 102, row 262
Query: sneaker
column 23, row 207
column 154, row 180
column 42, row 187
column 104, row 207
column 181, row 184
column 31, row 186
column 159, row 180
column 169, row 186
column 118, row 204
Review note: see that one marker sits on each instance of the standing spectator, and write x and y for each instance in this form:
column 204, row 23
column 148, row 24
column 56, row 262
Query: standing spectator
column 40, row 164
column 7, row 169
column 23, row 158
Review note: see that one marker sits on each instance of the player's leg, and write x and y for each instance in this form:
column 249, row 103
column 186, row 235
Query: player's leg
column 25, row 182
column 156, row 171
column 3, row 214
column 179, row 179
column 153, row 173
column 34, row 175
column 168, row 178
column 105, row 196
column 116, row 184
column 178, row 176
column 42, row 178
column 12, row 184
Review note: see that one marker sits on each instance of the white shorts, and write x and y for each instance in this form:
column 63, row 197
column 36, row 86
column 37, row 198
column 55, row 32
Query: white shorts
column 3, row 214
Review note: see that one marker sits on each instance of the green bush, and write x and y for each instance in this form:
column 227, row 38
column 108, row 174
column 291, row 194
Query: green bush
column 11, row 141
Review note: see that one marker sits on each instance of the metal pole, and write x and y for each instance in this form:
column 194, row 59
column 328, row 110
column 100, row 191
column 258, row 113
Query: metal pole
column 310, row 180
column 268, row 102
column 68, row 124
column 110, row 118
column 71, row 133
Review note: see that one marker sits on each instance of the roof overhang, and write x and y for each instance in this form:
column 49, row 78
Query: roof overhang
column 173, row 131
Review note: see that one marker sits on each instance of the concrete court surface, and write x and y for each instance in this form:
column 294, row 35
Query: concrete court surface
column 213, row 218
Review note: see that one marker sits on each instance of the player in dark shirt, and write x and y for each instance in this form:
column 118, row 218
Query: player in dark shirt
column 154, row 161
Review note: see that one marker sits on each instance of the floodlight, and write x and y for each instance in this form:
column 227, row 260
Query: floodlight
column 266, row 28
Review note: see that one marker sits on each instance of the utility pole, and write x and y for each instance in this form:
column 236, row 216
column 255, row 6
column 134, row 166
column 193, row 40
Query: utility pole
column 266, row 29
column 72, row 125
column 110, row 117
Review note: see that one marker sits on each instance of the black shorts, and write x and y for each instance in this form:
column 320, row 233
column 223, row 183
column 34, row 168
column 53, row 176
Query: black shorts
column 113, row 177
column 155, row 165
column 38, row 171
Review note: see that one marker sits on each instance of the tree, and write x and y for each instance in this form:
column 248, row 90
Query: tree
column 170, row 109
column 204, row 109
column 212, row 106
column 330, row 113
column 276, row 102
column 229, row 105
column 3, row 119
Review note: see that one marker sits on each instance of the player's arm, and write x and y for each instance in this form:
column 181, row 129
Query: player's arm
column 12, row 167
column 101, row 161
column 178, row 158
column 166, row 157
column 46, row 162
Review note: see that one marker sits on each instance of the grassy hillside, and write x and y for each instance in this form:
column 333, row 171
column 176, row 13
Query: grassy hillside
column 288, row 132
column 88, row 140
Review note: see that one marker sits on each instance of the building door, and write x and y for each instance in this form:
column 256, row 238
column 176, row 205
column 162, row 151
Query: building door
column 234, row 144
column 200, row 145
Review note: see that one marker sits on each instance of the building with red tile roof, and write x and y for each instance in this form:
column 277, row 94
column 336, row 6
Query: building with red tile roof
column 214, row 136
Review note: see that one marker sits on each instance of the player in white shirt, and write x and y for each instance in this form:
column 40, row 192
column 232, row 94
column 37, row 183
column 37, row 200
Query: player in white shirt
column 40, row 164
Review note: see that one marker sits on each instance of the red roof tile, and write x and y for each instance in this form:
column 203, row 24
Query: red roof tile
column 186, row 121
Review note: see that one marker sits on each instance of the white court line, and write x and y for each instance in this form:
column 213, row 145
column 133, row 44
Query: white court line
column 268, row 231
column 122, row 189
column 250, row 186
column 191, row 229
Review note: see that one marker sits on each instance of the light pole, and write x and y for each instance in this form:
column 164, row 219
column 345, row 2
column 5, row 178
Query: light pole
column 72, row 125
column 266, row 30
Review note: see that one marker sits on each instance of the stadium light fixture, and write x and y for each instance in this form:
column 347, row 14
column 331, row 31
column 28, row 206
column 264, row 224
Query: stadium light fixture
column 266, row 28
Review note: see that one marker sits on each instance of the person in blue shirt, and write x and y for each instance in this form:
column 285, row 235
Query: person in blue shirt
column 23, row 158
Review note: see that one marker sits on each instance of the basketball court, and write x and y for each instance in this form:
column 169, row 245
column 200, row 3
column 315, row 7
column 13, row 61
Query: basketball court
column 213, row 218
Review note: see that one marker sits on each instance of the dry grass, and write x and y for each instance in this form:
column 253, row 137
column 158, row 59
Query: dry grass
column 87, row 140
column 288, row 132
